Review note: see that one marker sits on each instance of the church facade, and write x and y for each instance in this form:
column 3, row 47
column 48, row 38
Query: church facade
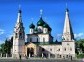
column 40, row 41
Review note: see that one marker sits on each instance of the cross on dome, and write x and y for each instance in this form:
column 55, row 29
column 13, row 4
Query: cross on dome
column 41, row 12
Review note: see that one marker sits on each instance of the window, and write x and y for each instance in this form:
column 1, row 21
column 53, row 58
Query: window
column 50, row 49
column 58, row 49
column 67, row 43
column 39, row 30
column 43, row 39
column 60, row 56
column 64, row 49
column 30, row 39
column 57, row 55
column 45, row 30
column 31, row 31
column 37, row 39
column 20, row 35
column 70, row 49
column 66, row 56
column 15, row 35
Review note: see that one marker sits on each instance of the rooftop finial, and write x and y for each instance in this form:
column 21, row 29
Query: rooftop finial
column 67, row 7
column 19, row 8
column 41, row 12
column 32, row 20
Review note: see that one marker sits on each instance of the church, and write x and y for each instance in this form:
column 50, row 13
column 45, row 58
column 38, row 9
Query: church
column 40, row 41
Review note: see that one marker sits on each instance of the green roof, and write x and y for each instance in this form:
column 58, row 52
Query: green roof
column 49, row 28
column 45, row 25
column 36, row 29
column 32, row 26
column 40, row 22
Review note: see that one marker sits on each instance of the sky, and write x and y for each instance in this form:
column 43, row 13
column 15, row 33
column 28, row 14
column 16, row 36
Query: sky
column 53, row 14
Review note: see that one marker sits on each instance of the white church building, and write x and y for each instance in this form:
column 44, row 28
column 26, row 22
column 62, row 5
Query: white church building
column 40, row 41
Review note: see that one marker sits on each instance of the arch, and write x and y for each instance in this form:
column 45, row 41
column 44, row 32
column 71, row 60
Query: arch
column 30, row 51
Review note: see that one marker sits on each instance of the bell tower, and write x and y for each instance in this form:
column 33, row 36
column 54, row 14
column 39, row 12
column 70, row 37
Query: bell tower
column 18, row 37
column 67, row 32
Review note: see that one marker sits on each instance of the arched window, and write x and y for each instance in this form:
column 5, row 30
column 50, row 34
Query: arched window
column 66, row 56
column 46, row 30
column 30, row 39
column 37, row 39
column 20, row 35
column 70, row 49
column 58, row 49
column 39, row 30
column 43, row 39
column 15, row 35
column 64, row 49
column 60, row 56
column 67, row 43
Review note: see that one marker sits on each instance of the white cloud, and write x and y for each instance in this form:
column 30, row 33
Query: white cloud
column 59, row 35
column 1, row 31
column 79, row 35
column 76, row 36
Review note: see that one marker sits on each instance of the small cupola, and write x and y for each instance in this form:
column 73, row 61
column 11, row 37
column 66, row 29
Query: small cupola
column 40, row 22
column 45, row 25
column 32, row 26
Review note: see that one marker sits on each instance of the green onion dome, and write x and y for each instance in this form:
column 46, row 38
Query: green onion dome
column 40, row 22
column 32, row 26
column 36, row 29
column 45, row 25
column 49, row 28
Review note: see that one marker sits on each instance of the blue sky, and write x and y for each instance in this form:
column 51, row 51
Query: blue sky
column 53, row 14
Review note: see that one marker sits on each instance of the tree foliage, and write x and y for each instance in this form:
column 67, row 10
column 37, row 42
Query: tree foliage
column 80, row 45
column 6, row 47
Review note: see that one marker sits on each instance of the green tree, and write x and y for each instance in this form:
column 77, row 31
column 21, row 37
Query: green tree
column 6, row 47
column 80, row 45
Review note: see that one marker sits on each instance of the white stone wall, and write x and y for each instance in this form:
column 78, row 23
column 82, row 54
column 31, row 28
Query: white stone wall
column 59, row 50
column 45, row 30
column 31, row 31
column 45, row 36
column 40, row 37
column 33, row 37
column 53, row 48
column 18, row 46
column 70, row 48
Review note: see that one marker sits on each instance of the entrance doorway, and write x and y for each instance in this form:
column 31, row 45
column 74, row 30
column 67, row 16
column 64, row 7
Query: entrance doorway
column 44, row 54
column 30, row 52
